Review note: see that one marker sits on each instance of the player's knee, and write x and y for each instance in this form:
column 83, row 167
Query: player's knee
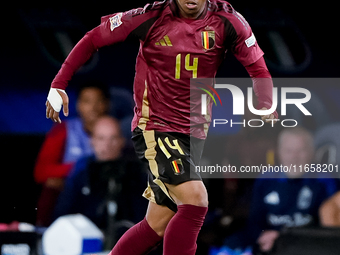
column 192, row 193
column 197, row 197
column 200, row 199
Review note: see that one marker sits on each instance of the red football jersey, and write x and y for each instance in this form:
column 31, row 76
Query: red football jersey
column 172, row 51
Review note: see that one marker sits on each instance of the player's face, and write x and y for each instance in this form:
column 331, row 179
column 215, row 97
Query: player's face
column 106, row 140
column 191, row 9
column 295, row 150
column 91, row 105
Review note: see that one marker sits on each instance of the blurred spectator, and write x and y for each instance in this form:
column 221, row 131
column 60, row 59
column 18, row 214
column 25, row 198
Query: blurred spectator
column 285, row 199
column 105, row 187
column 65, row 144
column 330, row 211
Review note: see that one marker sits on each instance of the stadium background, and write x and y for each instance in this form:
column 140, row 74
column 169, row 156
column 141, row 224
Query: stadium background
column 300, row 40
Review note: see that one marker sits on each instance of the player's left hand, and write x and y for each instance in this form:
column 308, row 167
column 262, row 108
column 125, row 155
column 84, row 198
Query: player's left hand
column 269, row 118
column 56, row 99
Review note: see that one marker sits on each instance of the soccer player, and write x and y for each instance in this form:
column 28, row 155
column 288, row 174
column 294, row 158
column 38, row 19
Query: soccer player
column 179, row 40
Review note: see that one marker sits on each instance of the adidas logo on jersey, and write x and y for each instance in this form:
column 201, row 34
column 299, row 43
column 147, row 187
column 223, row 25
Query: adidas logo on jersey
column 165, row 41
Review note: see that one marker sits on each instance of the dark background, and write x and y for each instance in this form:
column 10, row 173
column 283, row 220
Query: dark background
column 300, row 39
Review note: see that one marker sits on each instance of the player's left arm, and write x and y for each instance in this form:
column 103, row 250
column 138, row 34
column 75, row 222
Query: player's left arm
column 243, row 44
column 263, row 87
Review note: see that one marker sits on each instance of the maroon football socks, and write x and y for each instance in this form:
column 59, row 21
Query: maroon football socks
column 182, row 231
column 138, row 240
column 179, row 239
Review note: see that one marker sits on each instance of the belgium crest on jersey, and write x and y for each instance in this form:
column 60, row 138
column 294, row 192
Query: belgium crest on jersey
column 177, row 166
column 208, row 39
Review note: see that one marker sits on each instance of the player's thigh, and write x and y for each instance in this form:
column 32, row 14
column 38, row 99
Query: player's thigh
column 190, row 192
column 158, row 217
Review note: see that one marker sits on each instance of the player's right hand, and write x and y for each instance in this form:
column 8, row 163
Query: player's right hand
column 269, row 118
column 56, row 99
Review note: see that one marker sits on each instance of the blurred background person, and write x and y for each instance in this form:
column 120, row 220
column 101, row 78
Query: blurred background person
column 65, row 144
column 105, row 187
column 281, row 199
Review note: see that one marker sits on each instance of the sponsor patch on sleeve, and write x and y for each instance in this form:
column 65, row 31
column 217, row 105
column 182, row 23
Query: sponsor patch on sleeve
column 116, row 21
column 250, row 41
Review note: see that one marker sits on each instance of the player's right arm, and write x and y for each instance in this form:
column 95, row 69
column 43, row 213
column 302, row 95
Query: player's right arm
column 241, row 41
column 113, row 29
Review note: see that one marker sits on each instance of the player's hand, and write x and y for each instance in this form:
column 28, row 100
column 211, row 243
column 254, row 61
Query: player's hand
column 56, row 99
column 268, row 118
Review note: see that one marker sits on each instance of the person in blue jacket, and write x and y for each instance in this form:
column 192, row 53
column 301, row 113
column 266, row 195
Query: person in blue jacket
column 285, row 199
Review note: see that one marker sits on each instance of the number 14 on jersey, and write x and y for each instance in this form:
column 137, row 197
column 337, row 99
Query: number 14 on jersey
column 188, row 66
